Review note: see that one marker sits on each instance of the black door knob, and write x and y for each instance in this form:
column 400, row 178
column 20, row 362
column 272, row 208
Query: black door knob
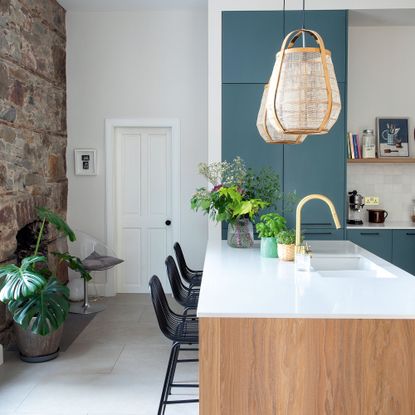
column 168, row 222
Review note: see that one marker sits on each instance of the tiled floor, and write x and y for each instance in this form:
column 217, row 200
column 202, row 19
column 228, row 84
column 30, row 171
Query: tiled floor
column 116, row 366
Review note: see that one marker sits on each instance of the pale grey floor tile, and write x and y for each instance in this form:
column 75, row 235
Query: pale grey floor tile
column 115, row 367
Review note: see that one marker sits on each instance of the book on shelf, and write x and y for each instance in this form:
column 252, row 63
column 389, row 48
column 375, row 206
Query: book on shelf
column 354, row 148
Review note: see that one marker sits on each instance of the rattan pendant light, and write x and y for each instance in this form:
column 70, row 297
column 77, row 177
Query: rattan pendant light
column 302, row 97
column 268, row 132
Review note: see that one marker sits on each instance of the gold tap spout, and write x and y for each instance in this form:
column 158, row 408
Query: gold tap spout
column 298, row 215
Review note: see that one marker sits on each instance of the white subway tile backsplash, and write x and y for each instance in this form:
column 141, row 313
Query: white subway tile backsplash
column 394, row 184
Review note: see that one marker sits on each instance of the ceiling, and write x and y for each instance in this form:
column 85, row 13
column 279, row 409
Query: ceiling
column 129, row 5
column 391, row 17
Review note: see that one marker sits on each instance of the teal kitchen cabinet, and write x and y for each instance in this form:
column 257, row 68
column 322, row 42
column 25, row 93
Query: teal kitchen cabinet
column 249, row 44
column 251, row 39
column 318, row 166
column 322, row 234
column 403, row 252
column 379, row 242
column 240, row 137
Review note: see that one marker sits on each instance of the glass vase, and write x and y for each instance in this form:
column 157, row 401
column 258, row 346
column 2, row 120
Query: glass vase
column 241, row 234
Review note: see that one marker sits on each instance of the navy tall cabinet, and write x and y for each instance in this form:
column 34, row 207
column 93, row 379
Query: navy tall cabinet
column 250, row 41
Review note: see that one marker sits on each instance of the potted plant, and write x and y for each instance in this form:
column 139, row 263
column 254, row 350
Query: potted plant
column 269, row 226
column 236, row 195
column 36, row 299
column 286, row 245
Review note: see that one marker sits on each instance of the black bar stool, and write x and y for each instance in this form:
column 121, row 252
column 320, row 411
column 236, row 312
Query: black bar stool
column 181, row 330
column 193, row 278
column 186, row 297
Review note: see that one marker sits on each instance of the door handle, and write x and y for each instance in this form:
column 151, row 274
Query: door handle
column 369, row 233
column 168, row 222
column 410, row 233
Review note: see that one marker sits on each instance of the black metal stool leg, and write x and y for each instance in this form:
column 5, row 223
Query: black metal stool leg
column 164, row 395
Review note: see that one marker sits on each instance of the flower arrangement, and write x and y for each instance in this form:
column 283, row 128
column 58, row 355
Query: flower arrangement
column 235, row 192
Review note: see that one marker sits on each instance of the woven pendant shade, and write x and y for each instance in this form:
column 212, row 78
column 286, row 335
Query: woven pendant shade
column 268, row 132
column 303, row 96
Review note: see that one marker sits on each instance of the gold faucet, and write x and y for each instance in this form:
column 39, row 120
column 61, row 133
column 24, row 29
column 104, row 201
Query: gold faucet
column 298, row 216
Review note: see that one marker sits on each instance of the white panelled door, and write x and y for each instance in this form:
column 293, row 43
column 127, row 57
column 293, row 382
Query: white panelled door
column 144, row 205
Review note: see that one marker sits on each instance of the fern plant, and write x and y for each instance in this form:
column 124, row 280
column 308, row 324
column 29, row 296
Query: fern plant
column 34, row 297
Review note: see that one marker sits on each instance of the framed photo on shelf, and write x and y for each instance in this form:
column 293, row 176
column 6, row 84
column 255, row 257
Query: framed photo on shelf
column 393, row 136
column 85, row 162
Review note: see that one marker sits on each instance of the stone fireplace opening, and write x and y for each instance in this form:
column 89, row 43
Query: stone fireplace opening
column 26, row 239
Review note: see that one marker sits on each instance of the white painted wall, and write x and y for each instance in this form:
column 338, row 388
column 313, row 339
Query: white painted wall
column 149, row 64
column 381, row 83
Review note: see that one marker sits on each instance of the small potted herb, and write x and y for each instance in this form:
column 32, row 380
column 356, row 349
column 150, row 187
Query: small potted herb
column 269, row 226
column 286, row 245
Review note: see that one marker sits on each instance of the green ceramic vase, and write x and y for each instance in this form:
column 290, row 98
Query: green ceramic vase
column 269, row 248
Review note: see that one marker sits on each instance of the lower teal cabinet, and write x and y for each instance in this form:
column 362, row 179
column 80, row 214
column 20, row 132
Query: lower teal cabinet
column 379, row 242
column 403, row 253
column 322, row 234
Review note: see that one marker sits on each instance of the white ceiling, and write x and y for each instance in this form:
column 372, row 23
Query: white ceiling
column 129, row 5
column 391, row 17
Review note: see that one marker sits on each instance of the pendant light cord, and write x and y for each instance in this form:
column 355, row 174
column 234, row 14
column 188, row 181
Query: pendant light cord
column 303, row 35
column 283, row 18
column 303, row 14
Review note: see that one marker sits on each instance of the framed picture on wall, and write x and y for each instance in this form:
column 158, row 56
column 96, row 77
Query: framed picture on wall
column 393, row 136
column 85, row 162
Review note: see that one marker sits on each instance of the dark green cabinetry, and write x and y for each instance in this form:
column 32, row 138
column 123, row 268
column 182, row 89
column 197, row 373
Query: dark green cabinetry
column 394, row 245
column 318, row 166
column 240, row 103
column 250, row 41
column 403, row 251
column 324, row 234
column 379, row 242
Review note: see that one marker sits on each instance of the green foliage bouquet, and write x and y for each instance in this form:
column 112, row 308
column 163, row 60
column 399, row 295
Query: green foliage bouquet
column 235, row 192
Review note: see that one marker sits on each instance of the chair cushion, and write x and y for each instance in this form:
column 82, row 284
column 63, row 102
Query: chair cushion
column 97, row 262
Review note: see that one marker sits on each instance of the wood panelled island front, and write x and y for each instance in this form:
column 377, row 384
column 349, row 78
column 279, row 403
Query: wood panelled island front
column 318, row 359
column 307, row 367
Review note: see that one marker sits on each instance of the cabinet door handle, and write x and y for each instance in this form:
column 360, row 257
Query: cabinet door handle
column 318, row 233
column 316, row 224
column 369, row 233
column 410, row 233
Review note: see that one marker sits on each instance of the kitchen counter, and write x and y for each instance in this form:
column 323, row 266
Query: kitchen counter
column 240, row 283
column 278, row 341
column 387, row 225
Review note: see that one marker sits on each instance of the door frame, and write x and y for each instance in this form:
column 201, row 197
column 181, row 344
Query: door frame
column 111, row 213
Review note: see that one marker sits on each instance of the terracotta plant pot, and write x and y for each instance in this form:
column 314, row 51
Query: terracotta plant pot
column 35, row 348
column 286, row 252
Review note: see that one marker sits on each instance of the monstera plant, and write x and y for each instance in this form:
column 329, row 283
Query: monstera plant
column 36, row 299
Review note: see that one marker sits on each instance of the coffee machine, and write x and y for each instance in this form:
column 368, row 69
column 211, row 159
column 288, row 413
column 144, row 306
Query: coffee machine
column 356, row 203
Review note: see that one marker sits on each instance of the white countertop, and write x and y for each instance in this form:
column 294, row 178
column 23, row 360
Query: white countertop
column 240, row 283
column 386, row 225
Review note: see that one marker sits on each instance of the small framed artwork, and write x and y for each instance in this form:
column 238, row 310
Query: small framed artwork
column 85, row 162
column 393, row 136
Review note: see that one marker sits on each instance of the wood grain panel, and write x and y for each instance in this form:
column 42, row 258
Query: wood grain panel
column 307, row 367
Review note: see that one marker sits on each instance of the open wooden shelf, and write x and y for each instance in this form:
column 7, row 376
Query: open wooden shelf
column 390, row 160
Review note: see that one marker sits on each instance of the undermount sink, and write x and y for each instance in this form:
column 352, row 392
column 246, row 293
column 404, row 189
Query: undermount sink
column 347, row 267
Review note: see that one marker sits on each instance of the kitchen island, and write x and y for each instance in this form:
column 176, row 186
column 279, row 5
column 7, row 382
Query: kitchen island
column 337, row 340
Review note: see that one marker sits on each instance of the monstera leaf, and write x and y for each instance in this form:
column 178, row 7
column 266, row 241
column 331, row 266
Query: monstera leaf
column 17, row 282
column 57, row 221
column 74, row 263
column 45, row 311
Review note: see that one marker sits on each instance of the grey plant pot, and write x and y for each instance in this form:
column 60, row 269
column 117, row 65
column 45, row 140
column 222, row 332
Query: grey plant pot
column 35, row 348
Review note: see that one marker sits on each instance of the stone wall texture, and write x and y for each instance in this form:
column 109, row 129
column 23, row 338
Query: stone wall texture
column 32, row 117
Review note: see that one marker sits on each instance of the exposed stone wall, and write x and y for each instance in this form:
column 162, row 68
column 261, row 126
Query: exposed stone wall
column 32, row 116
